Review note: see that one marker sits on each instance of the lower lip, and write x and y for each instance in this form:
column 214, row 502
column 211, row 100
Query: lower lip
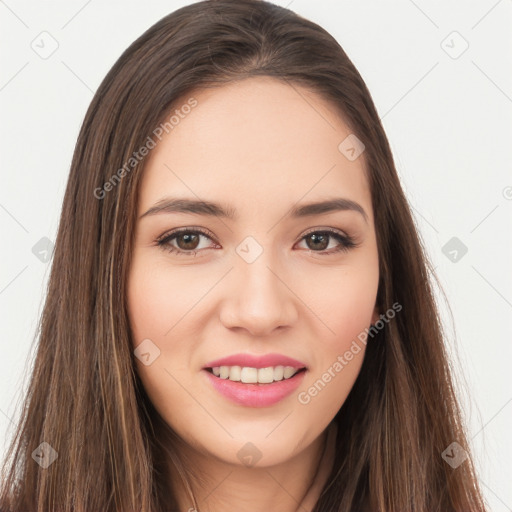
column 256, row 395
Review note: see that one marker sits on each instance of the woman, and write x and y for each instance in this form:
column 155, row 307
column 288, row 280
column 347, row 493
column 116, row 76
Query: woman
column 239, row 314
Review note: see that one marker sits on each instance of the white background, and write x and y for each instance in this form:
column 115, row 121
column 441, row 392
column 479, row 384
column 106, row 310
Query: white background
column 448, row 121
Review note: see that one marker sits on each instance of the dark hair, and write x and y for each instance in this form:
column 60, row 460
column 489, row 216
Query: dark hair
column 85, row 399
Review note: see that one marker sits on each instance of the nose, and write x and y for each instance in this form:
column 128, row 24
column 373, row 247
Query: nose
column 260, row 299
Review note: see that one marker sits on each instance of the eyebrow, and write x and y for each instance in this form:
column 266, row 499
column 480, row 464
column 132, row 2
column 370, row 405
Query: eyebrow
column 211, row 209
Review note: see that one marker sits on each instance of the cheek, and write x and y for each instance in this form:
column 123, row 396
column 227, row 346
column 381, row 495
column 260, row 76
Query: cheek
column 163, row 305
column 154, row 313
column 346, row 307
column 352, row 313
column 340, row 351
column 344, row 302
column 326, row 390
column 158, row 298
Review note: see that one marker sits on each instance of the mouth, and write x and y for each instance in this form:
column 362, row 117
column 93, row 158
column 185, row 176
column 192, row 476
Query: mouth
column 254, row 387
column 255, row 376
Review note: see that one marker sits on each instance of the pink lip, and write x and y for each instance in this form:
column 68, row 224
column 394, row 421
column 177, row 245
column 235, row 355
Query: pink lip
column 256, row 361
column 255, row 395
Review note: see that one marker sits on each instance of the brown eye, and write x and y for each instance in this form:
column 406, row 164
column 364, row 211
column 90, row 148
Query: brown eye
column 319, row 241
column 187, row 241
column 184, row 242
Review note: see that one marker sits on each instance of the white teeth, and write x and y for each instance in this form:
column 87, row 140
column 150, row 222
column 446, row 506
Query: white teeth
column 250, row 375
column 278, row 373
column 288, row 372
column 234, row 373
column 266, row 375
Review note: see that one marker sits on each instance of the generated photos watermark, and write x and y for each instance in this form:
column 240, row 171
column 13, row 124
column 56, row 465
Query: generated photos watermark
column 305, row 397
column 150, row 143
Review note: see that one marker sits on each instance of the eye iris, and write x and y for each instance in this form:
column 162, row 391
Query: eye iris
column 189, row 238
column 318, row 237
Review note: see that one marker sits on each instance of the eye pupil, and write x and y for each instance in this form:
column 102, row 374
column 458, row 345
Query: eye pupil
column 319, row 237
column 189, row 239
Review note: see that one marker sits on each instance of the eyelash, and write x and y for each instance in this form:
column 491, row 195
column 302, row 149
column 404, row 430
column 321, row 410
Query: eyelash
column 346, row 242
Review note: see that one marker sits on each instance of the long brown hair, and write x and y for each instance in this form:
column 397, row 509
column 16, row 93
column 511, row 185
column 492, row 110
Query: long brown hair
column 84, row 397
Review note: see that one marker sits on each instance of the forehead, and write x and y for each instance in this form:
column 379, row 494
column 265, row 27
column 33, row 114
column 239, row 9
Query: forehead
column 254, row 144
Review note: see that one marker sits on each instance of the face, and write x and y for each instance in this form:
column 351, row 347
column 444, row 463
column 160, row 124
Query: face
column 257, row 280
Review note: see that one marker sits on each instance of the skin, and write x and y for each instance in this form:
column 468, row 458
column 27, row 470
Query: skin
column 260, row 147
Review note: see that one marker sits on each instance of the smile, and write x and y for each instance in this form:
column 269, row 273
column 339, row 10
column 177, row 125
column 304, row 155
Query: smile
column 249, row 375
column 256, row 391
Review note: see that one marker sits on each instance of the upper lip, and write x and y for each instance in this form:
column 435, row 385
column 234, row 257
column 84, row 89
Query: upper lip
column 251, row 361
